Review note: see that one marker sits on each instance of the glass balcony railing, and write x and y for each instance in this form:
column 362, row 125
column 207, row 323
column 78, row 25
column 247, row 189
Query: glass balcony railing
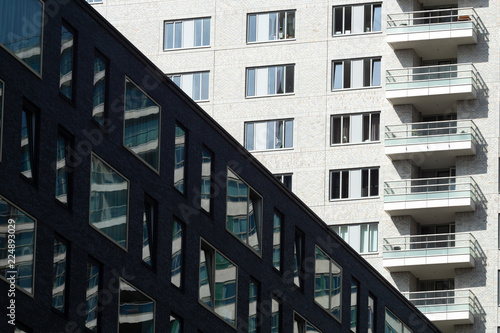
column 430, row 245
column 443, row 300
column 432, row 20
column 431, row 132
column 430, row 189
column 432, row 76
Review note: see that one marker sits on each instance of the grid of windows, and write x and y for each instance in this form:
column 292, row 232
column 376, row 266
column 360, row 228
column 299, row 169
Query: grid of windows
column 272, row 80
column 272, row 134
column 355, row 128
column 357, row 19
column 195, row 85
column 356, row 73
column 362, row 237
column 354, row 183
column 271, row 26
column 183, row 34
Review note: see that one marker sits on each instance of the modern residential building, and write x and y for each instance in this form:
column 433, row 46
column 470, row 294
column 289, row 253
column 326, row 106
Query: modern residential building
column 383, row 116
column 124, row 207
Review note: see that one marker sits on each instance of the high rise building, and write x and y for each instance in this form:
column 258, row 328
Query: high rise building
column 383, row 116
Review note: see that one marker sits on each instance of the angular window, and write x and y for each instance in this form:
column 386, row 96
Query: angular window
column 59, row 276
column 355, row 128
column 362, row 237
column 195, row 85
column 176, row 271
column 271, row 26
column 149, row 232
column 253, row 298
column 206, row 178
column 394, row 325
column 218, row 285
column 20, row 328
column 273, row 134
column 354, row 183
column 244, row 212
column 109, row 201
column 92, row 297
column 286, row 179
column 67, row 60
column 94, row 1
column 275, row 315
column 183, row 34
column 63, row 177
column 273, row 80
column 25, row 43
column 1, row 117
column 12, row 218
column 354, row 305
column 371, row 314
column 180, row 158
column 298, row 259
column 300, row 325
column 175, row 324
column 142, row 125
column 99, row 89
column 29, row 145
column 357, row 19
column 328, row 284
column 356, row 73
column 277, row 240
column 137, row 310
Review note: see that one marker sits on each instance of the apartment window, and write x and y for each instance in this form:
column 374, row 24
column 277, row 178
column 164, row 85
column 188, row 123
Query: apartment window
column 142, row 125
column 277, row 240
column 94, row 1
column 63, row 177
column 357, row 19
column 180, row 158
column 195, row 85
column 92, row 297
column 99, row 89
column 59, row 276
column 272, row 80
column 206, row 179
column 394, row 325
column 175, row 324
column 29, row 144
column 286, row 179
column 244, row 212
column 328, row 285
column 354, row 183
column 298, row 258
column 1, row 117
column 275, row 315
column 271, row 26
column 356, row 73
column 183, row 34
column 218, row 284
column 137, row 310
column 176, row 270
column 253, row 298
column 67, row 60
column 362, row 237
column 272, row 134
column 149, row 231
column 300, row 325
column 354, row 305
column 371, row 314
column 355, row 128
column 25, row 44
column 109, row 201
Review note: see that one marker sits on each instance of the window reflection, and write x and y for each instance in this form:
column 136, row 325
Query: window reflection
column 137, row 310
column 180, row 158
column 148, row 232
column 252, row 307
column 99, row 97
column 62, row 171
column 66, row 67
column 206, row 174
column 59, row 276
column 328, row 283
column 92, row 297
column 28, row 135
column 176, row 254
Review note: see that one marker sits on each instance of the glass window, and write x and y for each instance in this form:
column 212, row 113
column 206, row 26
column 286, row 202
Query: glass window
column 286, row 179
column 253, row 298
column 180, row 158
column 393, row 324
column 63, row 177
column 328, row 284
column 149, row 232
column 371, row 314
column 1, row 117
column 12, row 218
column 26, row 44
column 354, row 305
column 354, row 183
column 137, row 310
column 176, row 271
column 21, row 328
column 142, row 123
column 277, row 240
column 94, row 1
column 275, row 315
column 99, row 98
column 356, row 19
column 187, row 33
column 300, row 325
column 195, row 85
column 244, row 212
column 355, row 128
column 266, row 135
column 66, row 67
column 271, row 26
column 92, row 297
column 356, row 73
column 298, row 259
column 218, row 285
column 273, row 80
column 28, row 144
column 362, row 237
column 59, row 276
column 175, row 324
column 206, row 178
column 109, row 201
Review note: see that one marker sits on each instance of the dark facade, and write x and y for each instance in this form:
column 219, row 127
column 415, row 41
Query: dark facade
column 134, row 211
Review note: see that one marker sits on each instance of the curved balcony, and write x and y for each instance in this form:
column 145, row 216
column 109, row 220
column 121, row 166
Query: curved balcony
column 433, row 32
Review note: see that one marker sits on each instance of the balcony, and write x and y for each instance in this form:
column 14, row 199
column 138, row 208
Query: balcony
column 431, row 144
column 429, row 257
column 446, row 308
column 432, row 89
column 433, row 33
column 430, row 200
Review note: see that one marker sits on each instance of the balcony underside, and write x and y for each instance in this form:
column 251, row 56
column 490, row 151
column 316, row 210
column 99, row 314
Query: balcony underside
column 446, row 320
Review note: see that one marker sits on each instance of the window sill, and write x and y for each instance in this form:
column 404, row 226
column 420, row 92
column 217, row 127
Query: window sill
column 354, row 89
column 354, row 199
column 270, row 150
column 358, row 34
column 274, row 95
column 188, row 48
column 202, row 101
column 333, row 145
column 271, row 41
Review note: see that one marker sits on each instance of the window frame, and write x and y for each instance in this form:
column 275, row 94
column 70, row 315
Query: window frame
column 284, row 93
column 257, row 305
column 281, row 178
column 281, row 217
column 182, row 251
column 299, row 256
column 152, row 205
column 182, row 20
column 136, row 289
column 341, row 186
column 362, row 130
column 209, row 152
column 303, row 320
column 74, row 50
column 185, row 146
column 341, row 292
column 93, row 262
column 355, row 284
column 34, row 113
column 368, row 224
column 105, row 112
column 69, row 145
column 278, row 12
column 343, row 62
column 371, row 4
column 181, row 75
column 275, row 122
column 67, row 252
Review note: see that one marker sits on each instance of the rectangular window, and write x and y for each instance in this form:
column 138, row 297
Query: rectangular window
column 67, row 60
column 328, row 285
column 354, row 183
column 175, row 324
column 272, row 80
column 277, row 240
column 63, row 176
column 271, row 26
column 92, row 297
column 177, row 240
column 300, row 325
column 272, row 134
column 362, row 237
column 355, row 128
column 275, row 315
column 109, row 201
column 356, row 73
column 357, row 19
column 394, row 325
column 286, row 179
column 137, row 310
column 1, row 117
column 253, row 298
column 354, row 305
column 244, row 212
column 59, row 276
column 180, row 158
column 142, row 125
column 149, row 232
column 206, row 179
column 218, row 283
column 26, row 44
column 182, row 34
column 99, row 89
column 371, row 314
column 195, row 85
column 298, row 259
column 29, row 149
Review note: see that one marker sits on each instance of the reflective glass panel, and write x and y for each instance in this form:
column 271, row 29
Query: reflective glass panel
column 137, row 311
column 180, row 158
column 28, row 136
column 176, row 254
column 252, row 307
column 277, row 241
column 99, row 99
column 59, row 276
column 206, row 171
column 61, row 171
column 66, row 66
column 92, row 297
column 225, row 288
